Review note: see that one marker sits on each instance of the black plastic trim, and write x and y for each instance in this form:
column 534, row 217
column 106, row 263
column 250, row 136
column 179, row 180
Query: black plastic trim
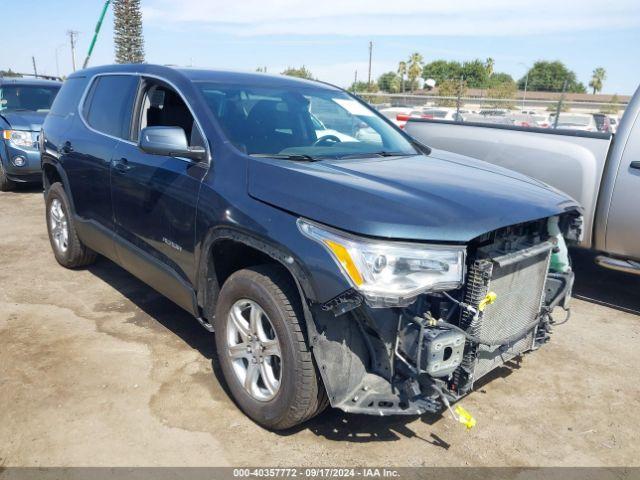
column 208, row 294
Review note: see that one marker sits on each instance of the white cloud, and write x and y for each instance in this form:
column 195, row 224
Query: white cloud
column 403, row 17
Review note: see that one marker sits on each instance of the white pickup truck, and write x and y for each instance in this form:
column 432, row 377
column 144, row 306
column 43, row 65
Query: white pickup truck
column 601, row 171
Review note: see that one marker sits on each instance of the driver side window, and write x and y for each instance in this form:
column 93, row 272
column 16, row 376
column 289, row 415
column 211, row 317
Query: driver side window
column 163, row 107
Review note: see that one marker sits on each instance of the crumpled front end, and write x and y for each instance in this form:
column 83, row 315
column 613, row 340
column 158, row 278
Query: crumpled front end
column 422, row 357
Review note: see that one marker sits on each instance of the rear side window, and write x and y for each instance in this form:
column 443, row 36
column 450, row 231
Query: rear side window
column 109, row 104
column 68, row 97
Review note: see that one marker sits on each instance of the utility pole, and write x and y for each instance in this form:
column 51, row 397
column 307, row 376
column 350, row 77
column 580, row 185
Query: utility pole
column 72, row 41
column 370, row 50
column 524, row 97
column 526, row 83
column 355, row 80
column 35, row 70
column 559, row 109
column 62, row 45
column 459, row 100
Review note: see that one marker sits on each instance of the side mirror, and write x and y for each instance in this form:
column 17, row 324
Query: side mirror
column 169, row 141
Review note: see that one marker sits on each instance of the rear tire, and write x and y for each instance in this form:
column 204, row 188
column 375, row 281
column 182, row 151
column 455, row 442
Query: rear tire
column 68, row 249
column 6, row 185
column 288, row 390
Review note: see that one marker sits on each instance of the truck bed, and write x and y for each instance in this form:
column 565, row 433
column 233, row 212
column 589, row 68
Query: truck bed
column 571, row 161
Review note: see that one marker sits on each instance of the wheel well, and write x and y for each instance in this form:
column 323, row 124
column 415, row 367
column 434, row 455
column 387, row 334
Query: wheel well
column 227, row 257
column 51, row 175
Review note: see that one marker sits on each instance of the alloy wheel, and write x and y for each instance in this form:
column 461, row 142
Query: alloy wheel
column 254, row 349
column 59, row 225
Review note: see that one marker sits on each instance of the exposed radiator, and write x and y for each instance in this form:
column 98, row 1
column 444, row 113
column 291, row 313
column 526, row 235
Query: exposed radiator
column 518, row 279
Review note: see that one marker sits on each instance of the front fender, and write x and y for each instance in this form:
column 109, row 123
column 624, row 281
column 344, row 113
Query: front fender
column 207, row 288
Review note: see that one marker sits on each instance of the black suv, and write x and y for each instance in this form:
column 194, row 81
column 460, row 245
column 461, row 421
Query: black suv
column 338, row 260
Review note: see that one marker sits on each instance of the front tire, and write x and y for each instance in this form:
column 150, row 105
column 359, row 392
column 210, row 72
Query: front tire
column 68, row 249
column 6, row 185
column 262, row 350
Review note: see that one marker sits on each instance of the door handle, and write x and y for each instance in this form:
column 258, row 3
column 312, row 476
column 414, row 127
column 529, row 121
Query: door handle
column 635, row 164
column 122, row 165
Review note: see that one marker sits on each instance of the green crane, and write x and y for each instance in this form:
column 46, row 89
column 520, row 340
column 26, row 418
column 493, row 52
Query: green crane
column 95, row 35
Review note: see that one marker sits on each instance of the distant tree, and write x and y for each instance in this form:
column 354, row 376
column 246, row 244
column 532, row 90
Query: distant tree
column 451, row 88
column 489, row 64
column 613, row 106
column 402, row 72
column 547, row 76
column 127, row 31
column 414, row 69
column 597, row 79
column 301, row 72
column 9, row 73
column 501, row 87
column 367, row 91
column 441, row 70
column 359, row 86
column 475, row 73
column 578, row 87
column 499, row 78
column 389, row 82
column 261, row 69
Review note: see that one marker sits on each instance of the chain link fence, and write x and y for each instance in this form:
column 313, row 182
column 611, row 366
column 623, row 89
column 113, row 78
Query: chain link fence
column 535, row 110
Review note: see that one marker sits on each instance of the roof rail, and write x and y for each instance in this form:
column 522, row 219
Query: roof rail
column 20, row 75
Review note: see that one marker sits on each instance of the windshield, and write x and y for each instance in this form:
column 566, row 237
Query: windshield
column 27, row 97
column 304, row 122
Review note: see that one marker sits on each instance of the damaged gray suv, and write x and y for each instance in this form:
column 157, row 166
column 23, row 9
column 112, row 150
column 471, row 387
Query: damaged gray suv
column 338, row 261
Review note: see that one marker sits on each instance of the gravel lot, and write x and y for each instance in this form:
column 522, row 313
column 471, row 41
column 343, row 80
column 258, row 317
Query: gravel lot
column 98, row 369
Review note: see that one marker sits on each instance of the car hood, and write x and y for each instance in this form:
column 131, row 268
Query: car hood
column 440, row 197
column 24, row 120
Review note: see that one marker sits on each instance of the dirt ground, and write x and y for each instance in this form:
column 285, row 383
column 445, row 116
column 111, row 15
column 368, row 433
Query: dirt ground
column 96, row 369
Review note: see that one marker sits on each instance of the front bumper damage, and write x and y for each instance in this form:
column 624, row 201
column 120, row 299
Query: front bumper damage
column 421, row 358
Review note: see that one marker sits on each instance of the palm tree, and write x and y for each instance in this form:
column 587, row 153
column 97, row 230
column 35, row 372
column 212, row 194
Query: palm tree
column 489, row 64
column 402, row 71
column 597, row 79
column 415, row 68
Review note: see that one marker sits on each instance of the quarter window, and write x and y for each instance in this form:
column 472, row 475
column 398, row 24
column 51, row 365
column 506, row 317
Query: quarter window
column 109, row 104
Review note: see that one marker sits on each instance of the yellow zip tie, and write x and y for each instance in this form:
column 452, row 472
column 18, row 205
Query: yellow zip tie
column 487, row 300
column 465, row 417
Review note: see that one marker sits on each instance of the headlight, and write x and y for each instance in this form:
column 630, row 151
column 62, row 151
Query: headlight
column 388, row 273
column 19, row 138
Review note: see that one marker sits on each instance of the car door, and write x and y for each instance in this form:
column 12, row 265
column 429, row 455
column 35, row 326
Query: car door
column 623, row 221
column 155, row 196
column 105, row 119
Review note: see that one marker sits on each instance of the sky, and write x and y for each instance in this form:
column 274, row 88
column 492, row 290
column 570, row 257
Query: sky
column 331, row 37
